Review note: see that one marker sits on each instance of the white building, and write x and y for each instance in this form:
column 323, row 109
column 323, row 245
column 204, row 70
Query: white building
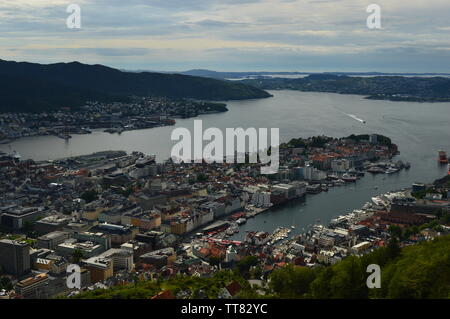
column 261, row 199
column 231, row 254
column 340, row 165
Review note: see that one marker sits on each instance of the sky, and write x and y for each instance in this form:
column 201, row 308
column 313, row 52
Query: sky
column 231, row 35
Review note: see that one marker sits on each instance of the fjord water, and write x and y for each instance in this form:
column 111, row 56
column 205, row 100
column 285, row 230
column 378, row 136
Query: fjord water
column 419, row 129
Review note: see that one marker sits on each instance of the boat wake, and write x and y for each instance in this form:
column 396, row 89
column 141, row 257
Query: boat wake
column 355, row 118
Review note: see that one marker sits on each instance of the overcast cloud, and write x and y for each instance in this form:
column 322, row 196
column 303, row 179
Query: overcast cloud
column 231, row 35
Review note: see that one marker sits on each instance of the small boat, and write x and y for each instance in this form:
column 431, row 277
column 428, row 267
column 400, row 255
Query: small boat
column 349, row 178
column 375, row 170
column 7, row 141
column 293, row 227
column 64, row 136
column 391, row 170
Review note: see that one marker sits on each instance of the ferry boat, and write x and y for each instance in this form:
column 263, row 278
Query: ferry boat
column 443, row 157
column 378, row 201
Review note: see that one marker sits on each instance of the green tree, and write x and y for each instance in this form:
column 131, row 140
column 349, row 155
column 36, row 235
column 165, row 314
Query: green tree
column 320, row 287
column 243, row 266
column 291, row 281
column 395, row 231
column 89, row 196
column 77, row 256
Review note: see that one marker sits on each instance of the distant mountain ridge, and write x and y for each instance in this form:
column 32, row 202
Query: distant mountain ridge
column 393, row 88
column 239, row 75
column 32, row 87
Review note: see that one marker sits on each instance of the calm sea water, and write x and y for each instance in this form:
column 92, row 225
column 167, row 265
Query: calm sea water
column 419, row 129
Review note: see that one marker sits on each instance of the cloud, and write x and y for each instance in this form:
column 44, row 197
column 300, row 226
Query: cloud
column 224, row 34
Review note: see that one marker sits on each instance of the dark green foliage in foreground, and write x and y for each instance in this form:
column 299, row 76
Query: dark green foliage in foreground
column 31, row 87
column 194, row 287
column 417, row 271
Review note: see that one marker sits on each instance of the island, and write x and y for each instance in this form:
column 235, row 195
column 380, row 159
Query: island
column 392, row 88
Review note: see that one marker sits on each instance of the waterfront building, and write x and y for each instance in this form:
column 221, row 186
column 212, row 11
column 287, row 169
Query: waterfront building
column 298, row 173
column 257, row 238
column 261, row 199
column 340, row 165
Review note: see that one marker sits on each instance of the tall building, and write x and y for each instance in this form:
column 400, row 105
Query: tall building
column 14, row 257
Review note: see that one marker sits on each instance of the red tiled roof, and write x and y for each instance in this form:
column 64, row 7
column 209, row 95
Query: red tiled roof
column 234, row 288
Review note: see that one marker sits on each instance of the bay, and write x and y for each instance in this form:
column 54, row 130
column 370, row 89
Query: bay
column 419, row 129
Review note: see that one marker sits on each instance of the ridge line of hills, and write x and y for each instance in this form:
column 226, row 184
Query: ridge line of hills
column 33, row 87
